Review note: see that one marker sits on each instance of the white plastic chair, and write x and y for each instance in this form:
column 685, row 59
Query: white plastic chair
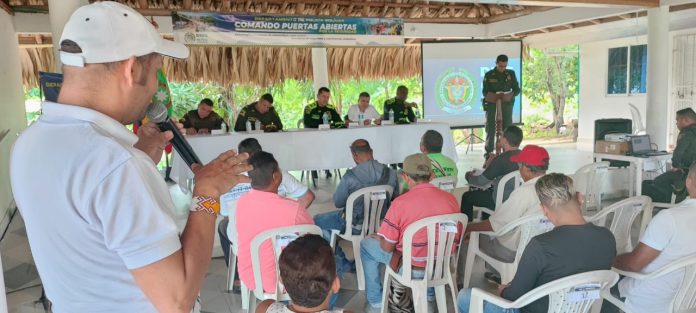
column 446, row 183
column 528, row 226
column 672, row 203
column 441, row 229
column 623, row 215
column 573, row 294
column 685, row 298
column 374, row 199
column 588, row 180
column 278, row 237
column 638, row 128
column 499, row 194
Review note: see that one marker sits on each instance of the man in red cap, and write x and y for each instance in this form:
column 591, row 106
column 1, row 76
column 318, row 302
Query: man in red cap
column 533, row 162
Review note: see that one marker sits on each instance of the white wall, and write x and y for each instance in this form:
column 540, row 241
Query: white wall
column 594, row 102
column 12, row 105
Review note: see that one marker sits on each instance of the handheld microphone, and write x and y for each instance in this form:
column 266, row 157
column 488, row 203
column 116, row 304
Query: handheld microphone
column 157, row 113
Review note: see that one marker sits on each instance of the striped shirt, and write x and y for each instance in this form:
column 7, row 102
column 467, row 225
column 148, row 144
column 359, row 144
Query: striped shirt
column 422, row 201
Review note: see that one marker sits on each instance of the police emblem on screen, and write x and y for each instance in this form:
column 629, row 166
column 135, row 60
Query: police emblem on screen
column 455, row 91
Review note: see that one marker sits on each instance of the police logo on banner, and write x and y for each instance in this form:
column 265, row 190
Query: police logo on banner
column 456, row 91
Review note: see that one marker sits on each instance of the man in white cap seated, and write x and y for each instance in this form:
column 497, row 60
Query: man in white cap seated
column 98, row 214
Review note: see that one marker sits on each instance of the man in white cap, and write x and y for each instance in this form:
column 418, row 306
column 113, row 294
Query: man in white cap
column 98, row 214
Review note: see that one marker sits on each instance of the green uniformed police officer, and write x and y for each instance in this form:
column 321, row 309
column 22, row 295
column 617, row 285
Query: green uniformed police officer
column 403, row 111
column 499, row 79
column 314, row 112
column 661, row 189
column 261, row 110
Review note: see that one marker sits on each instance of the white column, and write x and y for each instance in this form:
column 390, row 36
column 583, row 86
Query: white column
column 59, row 11
column 13, row 117
column 657, row 114
column 320, row 68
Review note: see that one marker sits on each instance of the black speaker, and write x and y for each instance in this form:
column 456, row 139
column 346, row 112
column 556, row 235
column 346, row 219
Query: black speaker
column 612, row 126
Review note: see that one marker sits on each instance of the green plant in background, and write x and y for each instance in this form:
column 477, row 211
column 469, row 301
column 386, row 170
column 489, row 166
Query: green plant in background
column 551, row 82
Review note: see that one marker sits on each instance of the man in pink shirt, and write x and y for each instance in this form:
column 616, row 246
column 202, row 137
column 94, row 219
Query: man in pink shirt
column 423, row 200
column 262, row 209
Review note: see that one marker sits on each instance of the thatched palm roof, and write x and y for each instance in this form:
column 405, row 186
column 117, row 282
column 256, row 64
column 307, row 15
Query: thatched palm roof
column 411, row 10
column 260, row 65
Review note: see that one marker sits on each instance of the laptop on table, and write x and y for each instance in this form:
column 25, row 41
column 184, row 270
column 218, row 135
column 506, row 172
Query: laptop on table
column 641, row 146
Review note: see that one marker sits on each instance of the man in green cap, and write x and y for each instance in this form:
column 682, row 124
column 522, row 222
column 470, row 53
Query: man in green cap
column 498, row 80
column 314, row 112
column 262, row 111
column 403, row 111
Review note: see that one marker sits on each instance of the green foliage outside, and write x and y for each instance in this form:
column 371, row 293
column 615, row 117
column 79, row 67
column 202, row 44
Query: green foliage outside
column 550, row 86
column 550, row 91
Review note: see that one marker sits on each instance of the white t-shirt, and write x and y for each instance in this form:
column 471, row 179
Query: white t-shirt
column 671, row 232
column 523, row 201
column 289, row 187
column 370, row 113
column 94, row 208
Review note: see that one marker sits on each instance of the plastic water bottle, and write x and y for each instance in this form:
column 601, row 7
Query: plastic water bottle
column 415, row 112
column 224, row 128
column 248, row 126
column 257, row 125
column 361, row 118
column 325, row 118
column 391, row 115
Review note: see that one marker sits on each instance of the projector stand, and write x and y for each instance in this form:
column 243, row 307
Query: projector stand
column 471, row 138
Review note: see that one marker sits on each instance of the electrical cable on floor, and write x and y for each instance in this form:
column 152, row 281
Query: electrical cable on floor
column 8, row 224
column 24, row 288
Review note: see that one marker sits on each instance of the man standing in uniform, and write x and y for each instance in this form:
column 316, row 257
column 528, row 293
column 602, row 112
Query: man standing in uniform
column 314, row 112
column 203, row 119
column 403, row 111
column 661, row 189
column 499, row 79
column 261, row 110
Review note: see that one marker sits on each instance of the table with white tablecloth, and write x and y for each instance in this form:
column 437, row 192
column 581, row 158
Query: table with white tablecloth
column 311, row 149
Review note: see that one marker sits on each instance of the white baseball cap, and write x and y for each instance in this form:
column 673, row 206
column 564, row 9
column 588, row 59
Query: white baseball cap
column 109, row 32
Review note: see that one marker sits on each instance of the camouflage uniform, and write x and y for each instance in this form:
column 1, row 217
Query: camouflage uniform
column 495, row 81
column 313, row 116
column 270, row 121
column 402, row 114
column 661, row 189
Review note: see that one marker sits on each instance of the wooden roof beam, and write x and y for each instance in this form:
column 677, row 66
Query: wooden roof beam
column 6, row 7
column 571, row 3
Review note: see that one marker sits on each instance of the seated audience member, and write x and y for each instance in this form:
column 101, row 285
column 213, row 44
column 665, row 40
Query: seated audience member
column 422, row 201
column 496, row 169
column 669, row 236
column 367, row 173
column 661, row 189
column 369, row 113
column 572, row 247
column 308, row 272
column 431, row 144
column 261, row 110
column 533, row 162
column 289, row 187
column 202, row 120
column 262, row 209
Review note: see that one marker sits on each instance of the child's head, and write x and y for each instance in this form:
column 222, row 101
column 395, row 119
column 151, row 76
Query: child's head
column 308, row 271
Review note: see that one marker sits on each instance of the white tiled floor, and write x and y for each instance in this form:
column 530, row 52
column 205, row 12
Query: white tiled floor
column 23, row 284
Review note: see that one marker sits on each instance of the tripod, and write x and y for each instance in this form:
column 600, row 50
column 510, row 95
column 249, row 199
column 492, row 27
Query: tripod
column 471, row 139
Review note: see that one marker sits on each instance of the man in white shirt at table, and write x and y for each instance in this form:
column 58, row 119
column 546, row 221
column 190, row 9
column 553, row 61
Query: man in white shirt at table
column 363, row 111
column 669, row 237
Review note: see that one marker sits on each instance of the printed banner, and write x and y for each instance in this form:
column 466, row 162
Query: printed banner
column 50, row 85
column 194, row 28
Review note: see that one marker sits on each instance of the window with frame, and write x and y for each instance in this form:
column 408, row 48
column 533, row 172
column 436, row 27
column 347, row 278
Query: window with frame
column 627, row 70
